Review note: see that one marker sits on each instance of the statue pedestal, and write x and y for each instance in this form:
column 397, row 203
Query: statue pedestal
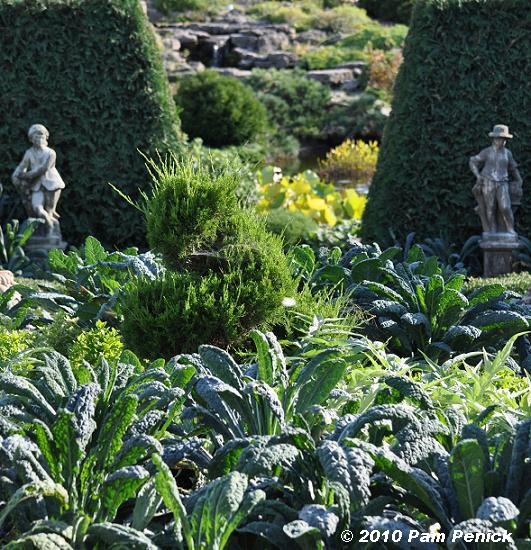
column 41, row 242
column 498, row 253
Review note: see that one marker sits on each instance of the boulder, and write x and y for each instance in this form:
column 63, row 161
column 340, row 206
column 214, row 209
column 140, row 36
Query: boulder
column 279, row 60
column 7, row 280
column 350, row 85
column 244, row 41
column 170, row 43
column 246, row 59
column 214, row 27
column 357, row 67
column 331, row 77
column 272, row 41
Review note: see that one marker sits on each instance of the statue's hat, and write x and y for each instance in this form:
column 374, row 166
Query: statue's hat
column 500, row 131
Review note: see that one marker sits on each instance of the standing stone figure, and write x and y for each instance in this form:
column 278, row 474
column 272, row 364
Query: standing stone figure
column 38, row 180
column 493, row 192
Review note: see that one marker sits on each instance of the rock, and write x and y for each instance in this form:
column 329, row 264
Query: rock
column 331, row 77
column 171, row 43
column 340, row 98
column 334, row 39
column 244, row 41
column 357, row 67
column 272, row 41
column 247, row 59
column 350, row 85
column 232, row 71
column 312, row 36
column 169, row 56
column 280, row 60
column 215, row 27
column 221, row 41
column 197, row 66
column 7, row 280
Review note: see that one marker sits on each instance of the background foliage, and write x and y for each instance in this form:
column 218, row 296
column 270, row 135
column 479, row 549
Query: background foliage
column 99, row 88
column 219, row 109
column 449, row 76
column 389, row 10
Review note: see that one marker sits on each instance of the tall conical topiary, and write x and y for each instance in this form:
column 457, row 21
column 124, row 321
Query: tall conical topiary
column 226, row 274
column 90, row 71
column 466, row 68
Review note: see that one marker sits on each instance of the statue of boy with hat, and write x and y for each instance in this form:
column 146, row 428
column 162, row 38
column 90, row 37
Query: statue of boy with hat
column 493, row 192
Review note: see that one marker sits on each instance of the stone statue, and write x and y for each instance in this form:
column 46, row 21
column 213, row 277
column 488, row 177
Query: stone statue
column 495, row 196
column 38, row 180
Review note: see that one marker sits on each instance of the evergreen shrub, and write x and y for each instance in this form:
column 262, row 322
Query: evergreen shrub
column 398, row 11
column 463, row 72
column 219, row 109
column 227, row 273
column 91, row 73
column 295, row 104
column 294, row 227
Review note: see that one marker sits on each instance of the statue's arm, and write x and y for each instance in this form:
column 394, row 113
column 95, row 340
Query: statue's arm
column 21, row 168
column 475, row 163
column 42, row 168
column 513, row 167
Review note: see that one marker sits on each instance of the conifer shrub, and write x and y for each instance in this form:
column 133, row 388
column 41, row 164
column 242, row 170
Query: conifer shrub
column 227, row 274
column 91, row 73
column 397, row 11
column 452, row 87
column 219, row 109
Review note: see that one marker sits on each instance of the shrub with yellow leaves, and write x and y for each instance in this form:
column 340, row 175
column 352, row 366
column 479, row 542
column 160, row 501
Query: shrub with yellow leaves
column 306, row 192
column 354, row 161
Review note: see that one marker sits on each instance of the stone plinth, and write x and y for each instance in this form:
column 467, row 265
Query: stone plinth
column 42, row 241
column 498, row 253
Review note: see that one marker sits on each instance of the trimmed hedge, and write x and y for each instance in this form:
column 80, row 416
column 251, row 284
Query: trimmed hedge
column 91, row 73
column 397, row 11
column 463, row 72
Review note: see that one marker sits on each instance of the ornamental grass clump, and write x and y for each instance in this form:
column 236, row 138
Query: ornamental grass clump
column 226, row 273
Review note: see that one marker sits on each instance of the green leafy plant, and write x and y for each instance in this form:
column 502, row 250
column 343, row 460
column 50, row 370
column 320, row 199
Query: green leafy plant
column 91, row 346
column 91, row 442
column 415, row 307
column 220, row 110
column 13, row 237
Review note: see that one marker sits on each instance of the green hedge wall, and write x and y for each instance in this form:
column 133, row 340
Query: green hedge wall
column 90, row 71
column 466, row 68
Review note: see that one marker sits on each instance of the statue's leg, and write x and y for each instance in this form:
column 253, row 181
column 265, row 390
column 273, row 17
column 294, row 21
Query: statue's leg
column 51, row 200
column 504, row 205
column 480, row 208
column 489, row 200
column 37, row 203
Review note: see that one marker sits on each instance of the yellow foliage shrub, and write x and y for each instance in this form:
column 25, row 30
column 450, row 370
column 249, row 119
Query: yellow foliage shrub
column 307, row 193
column 352, row 160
